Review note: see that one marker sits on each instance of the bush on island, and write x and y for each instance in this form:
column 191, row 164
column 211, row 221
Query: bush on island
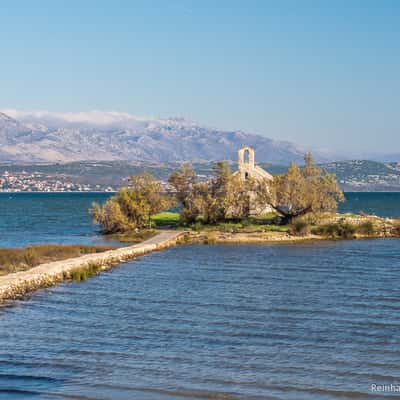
column 299, row 228
column 338, row 230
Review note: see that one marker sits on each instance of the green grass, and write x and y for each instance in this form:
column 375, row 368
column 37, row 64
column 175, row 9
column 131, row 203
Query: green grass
column 256, row 223
column 277, row 228
column 245, row 226
column 265, row 216
column 166, row 219
column 82, row 274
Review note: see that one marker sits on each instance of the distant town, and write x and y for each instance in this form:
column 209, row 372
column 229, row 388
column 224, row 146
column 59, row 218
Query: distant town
column 109, row 176
column 23, row 181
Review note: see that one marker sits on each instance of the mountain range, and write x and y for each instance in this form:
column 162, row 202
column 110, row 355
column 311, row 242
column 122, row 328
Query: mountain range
column 93, row 136
column 44, row 136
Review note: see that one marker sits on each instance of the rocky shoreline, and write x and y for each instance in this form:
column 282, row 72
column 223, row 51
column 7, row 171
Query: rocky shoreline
column 338, row 227
column 275, row 238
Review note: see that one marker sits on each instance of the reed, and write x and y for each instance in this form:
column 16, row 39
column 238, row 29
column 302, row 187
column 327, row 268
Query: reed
column 22, row 259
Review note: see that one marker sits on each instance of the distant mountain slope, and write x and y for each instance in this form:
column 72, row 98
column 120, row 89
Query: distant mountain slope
column 51, row 137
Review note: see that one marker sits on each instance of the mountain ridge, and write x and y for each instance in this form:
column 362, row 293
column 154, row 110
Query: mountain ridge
column 95, row 136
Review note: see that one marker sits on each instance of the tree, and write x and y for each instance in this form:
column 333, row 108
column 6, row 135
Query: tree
column 219, row 189
column 182, row 181
column 110, row 217
column 132, row 207
column 242, row 196
column 303, row 191
column 223, row 196
column 202, row 205
column 221, row 179
column 147, row 192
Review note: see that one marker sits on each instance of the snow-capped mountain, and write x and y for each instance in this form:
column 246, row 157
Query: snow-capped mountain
column 62, row 137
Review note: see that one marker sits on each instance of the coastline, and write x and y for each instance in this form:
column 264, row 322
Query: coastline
column 58, row 191
column 16, row 285
column 218, row 237
column 115, row 191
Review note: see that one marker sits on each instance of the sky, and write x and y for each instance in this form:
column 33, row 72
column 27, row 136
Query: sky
column 324, row 74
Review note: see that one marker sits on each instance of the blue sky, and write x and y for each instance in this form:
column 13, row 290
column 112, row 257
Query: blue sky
column 320, row 73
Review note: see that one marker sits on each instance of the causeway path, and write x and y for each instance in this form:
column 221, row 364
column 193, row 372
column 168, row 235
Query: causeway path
column 19, row 283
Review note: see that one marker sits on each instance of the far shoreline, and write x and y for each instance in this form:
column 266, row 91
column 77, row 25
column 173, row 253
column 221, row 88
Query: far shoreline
column 58, row 191
column 116, row 191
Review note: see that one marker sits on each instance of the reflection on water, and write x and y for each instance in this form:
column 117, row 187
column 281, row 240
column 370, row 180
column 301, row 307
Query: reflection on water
column 307, row 321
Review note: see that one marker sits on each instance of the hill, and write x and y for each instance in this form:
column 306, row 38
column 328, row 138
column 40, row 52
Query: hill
column 95, row 136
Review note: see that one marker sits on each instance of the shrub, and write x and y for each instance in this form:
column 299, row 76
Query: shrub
column 346, row 230
column 340, row 230
column 31, row 257
column 366, row 228
column 76, row 275
column 246, row 223
column 396, row 228
column 198, row 226
column 299, row 228
column 82, row 274
column 93, row 269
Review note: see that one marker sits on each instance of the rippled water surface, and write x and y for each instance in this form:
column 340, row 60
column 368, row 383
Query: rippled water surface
column 308, row 321
column 28, row 218
column 304, row 321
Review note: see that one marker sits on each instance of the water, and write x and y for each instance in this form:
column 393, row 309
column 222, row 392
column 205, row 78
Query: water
column 384, row 204
column 305, row 321
column 27, row 218
column 310, row 321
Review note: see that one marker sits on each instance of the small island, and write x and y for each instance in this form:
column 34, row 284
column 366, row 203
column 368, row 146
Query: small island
column 248, row 205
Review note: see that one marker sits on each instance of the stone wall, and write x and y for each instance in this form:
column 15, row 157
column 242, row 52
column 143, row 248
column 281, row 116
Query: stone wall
column 20, row 283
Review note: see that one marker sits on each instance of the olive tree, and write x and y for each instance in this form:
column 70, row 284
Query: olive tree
column 132, row 207
column 223, row 196
column 301, row 191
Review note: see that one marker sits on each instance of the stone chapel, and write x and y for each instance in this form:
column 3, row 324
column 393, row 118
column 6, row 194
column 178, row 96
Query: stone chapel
column 246, row 169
